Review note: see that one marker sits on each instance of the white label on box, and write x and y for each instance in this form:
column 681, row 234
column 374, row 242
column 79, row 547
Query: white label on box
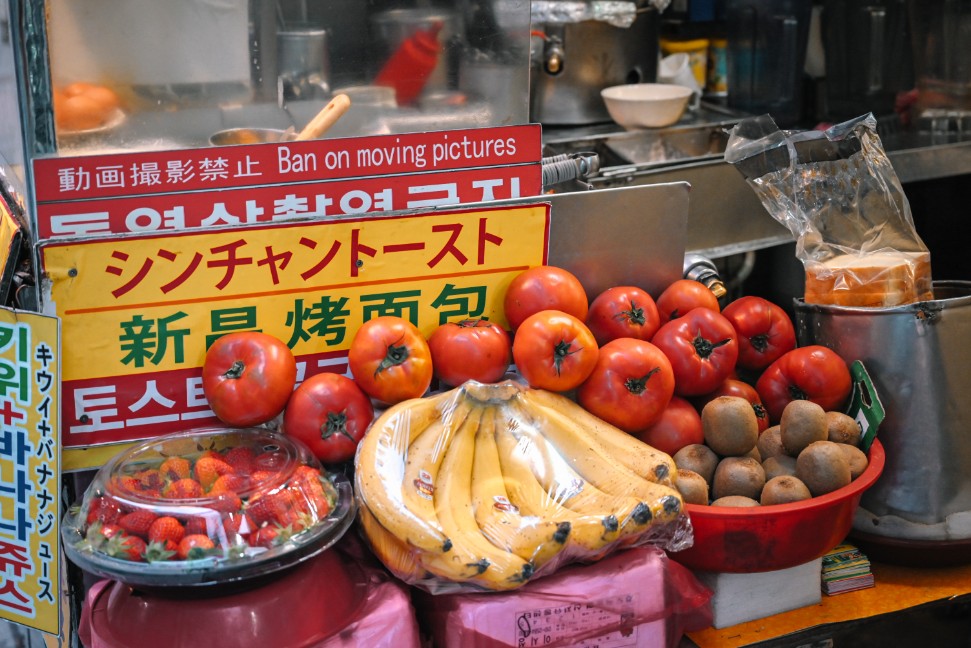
column 540, row 627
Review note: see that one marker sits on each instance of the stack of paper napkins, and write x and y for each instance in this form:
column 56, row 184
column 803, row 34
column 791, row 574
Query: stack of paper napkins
column 846, row 569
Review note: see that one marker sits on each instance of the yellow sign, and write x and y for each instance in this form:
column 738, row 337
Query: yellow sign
column 139, row 312
column 139, row 305
column 29, row 470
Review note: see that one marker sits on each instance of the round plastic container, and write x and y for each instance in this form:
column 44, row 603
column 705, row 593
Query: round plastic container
column 768, row 538
column 206, row 507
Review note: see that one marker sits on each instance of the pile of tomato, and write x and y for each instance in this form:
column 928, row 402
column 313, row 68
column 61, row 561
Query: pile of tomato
column 645, row 365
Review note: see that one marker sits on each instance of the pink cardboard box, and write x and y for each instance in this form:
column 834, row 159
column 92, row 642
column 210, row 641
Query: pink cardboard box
column 634, row 598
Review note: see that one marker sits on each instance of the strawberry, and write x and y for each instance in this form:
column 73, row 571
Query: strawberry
column 185, row 488
column 195, row 546
column 107, row 530
column 270, row 536
column 310, row 482
column 273, row 460
column 271, row 507
column 209, row 454
column 126, row 547
column 264, row 477
column 150, row 479
column 237, row 524
column 227, row 502
column 300, row 521
column 174, row 469
column 241, row 458
column 158, row 552
column 166, row 529
column 209, row 469
column 196, row 526
column 98, row 535
column 103, row 509
column 231, row 483
column 124, row 484
column 137, row 522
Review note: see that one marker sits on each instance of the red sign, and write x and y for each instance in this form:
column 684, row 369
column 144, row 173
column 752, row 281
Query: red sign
column 170, row 212
column 226, row 167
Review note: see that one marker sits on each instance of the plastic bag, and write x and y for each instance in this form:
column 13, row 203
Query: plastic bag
column 490, row 486
column 635, row 599
column 838, row 194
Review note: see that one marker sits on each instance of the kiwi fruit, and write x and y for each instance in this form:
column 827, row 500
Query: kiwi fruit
column 779, row 465
column 856, row 458
column 823, row 467
column 842, row 428
column 738, row 476
column 735, row 500
column 770, row 443
column 699, row 458
column 754, row 453
column 783, row 490
column 692, row 486
column 802, row 422
column 730, row 426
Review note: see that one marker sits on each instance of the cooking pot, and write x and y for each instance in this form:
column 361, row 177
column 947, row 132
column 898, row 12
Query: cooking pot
column 572, row 62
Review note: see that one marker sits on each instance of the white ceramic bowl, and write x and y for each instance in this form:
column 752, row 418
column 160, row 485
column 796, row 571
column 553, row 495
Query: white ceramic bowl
column 646, row 105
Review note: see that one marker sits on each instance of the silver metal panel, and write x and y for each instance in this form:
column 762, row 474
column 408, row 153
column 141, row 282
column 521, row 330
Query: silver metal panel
column 621, row 236
column 725, row 216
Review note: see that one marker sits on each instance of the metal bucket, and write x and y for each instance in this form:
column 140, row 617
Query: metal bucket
column 919, row 358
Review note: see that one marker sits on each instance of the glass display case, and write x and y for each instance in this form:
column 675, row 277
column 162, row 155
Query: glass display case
column 133, row 75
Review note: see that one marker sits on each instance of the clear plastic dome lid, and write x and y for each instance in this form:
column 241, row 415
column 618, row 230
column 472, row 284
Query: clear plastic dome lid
column 207, row 506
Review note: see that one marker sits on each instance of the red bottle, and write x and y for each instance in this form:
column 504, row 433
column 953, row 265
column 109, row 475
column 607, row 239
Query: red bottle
column 410, row 66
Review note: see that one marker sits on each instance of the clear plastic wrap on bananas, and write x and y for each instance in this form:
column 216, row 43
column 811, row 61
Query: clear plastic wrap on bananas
column 489, row 486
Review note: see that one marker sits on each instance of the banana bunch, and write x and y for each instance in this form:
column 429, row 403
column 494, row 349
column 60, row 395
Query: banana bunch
column 491, row 484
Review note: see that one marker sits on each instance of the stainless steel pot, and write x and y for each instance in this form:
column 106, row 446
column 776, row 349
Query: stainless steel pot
column 918, row 357
column 578, row 60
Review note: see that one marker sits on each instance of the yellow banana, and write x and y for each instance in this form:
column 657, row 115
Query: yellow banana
column 503, row 570
column 396, row 555
column 532, row 538
column 558, row 477
column 379, row 468
column 589, row 534
column 423, row 459
column 589, row 458
column 404, row 561
column 648, row 462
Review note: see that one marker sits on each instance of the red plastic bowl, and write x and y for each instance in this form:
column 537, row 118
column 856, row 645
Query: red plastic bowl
column 767, row 538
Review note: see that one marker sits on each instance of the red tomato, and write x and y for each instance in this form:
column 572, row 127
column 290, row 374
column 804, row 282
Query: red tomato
column 630, row 385
column 390, row 359
column 702, row 347
column 764, row 330
column 623, row 311
column 815, row 373
column 248, row 377
column 735, row 387
column 682, row 296
column 330, row 414
column 554, row 350
column 678, row 426
column 470, row 350
column 544, row 288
